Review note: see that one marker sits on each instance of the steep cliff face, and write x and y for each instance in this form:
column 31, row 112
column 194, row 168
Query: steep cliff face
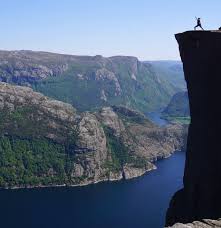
column 171, row 71
column 200, row 198
column 107, row 81
column 143, row 138
column 34, row 114
column 45, row 142
column 178, row 106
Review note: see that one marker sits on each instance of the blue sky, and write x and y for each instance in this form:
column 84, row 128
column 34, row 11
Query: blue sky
column 141, row 28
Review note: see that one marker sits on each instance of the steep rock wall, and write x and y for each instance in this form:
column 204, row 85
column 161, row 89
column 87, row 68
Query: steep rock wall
column 200, row 198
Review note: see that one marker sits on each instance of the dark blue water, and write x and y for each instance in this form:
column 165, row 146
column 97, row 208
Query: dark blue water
column 138, row 203
column 155, row 117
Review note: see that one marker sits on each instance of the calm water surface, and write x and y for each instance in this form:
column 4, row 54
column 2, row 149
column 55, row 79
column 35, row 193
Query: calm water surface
column 155, row 117
column 138, row 203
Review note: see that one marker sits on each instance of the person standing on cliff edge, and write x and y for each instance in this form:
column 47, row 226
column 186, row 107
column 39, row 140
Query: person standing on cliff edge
column 198, row 23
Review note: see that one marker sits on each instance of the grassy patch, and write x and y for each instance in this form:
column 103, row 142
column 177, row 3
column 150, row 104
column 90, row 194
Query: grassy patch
column 178, row 119
column 120, row 153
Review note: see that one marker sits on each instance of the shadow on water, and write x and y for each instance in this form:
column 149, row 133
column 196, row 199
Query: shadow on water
column 140, row 203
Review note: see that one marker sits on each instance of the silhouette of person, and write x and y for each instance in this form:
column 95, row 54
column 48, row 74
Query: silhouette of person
column 219, row 28
column 198, row 24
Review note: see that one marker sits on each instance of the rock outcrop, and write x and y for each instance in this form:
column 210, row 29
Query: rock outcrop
column 25, row 67
column 172, row 71
column 200, row 198
column 205, row 223
column 47, row 117
column 47, row 142
column 27, row 115
column 178, row 106
column 69, row 78
column 144, row 141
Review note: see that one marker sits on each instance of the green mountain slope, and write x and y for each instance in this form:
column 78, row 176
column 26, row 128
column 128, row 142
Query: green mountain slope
column 171, row 71
column 88, row 82
column 178, row 108
column 45, row 142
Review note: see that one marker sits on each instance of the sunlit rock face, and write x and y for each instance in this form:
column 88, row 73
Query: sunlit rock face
column 200, row 198
column 113, row 143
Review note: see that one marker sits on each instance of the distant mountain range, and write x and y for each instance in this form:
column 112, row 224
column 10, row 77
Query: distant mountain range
column 178, row 106
column 171, row 71
column 76, row 120
column 89, row 83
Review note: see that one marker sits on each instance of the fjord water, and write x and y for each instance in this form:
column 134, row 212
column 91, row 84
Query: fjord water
column 156, row 118
column 137, row 203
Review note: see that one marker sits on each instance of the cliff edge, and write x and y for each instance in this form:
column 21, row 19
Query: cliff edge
column 200, row 198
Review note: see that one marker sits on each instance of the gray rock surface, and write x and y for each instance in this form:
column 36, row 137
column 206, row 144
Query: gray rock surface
column 200, row 197
column 205, row 223
column 109, row 118
column 143, row 137
column 29, row 115
column 107, row 81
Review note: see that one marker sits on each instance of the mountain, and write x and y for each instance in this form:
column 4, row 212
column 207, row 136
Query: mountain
column 45, row 142
column 171, row 71
column 178, row 106
column 90, row 82
column 200, row 196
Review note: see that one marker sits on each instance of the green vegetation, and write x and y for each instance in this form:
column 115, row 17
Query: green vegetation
column 25, row 162
column 70, row 89
column 21, row 122
column 133, row 119
column 178, row 106
column 33, row 162
column 145, row 93
column 120, row 153
column 178, row 119
column 145, row 86
column 130, row 116
column 27, row 157
column 178, row 109
column 171, row 71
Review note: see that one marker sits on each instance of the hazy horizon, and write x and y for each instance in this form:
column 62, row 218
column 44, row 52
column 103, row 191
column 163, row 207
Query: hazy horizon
column 144, row 29
column 59, row 53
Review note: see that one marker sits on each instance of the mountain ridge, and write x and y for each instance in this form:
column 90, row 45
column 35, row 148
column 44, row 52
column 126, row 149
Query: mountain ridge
column 178, row 105
column 107, row 81
column 44, row 142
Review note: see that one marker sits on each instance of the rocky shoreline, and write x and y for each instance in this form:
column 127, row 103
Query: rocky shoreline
column 121, row 178
column 47, row 142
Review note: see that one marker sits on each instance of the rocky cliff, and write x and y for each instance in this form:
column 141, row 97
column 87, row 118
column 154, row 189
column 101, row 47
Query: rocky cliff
column 171, row 70
column 205, row 223
column 44, row 142
column 200, row 198
column 72, row 79
column 178, row 106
